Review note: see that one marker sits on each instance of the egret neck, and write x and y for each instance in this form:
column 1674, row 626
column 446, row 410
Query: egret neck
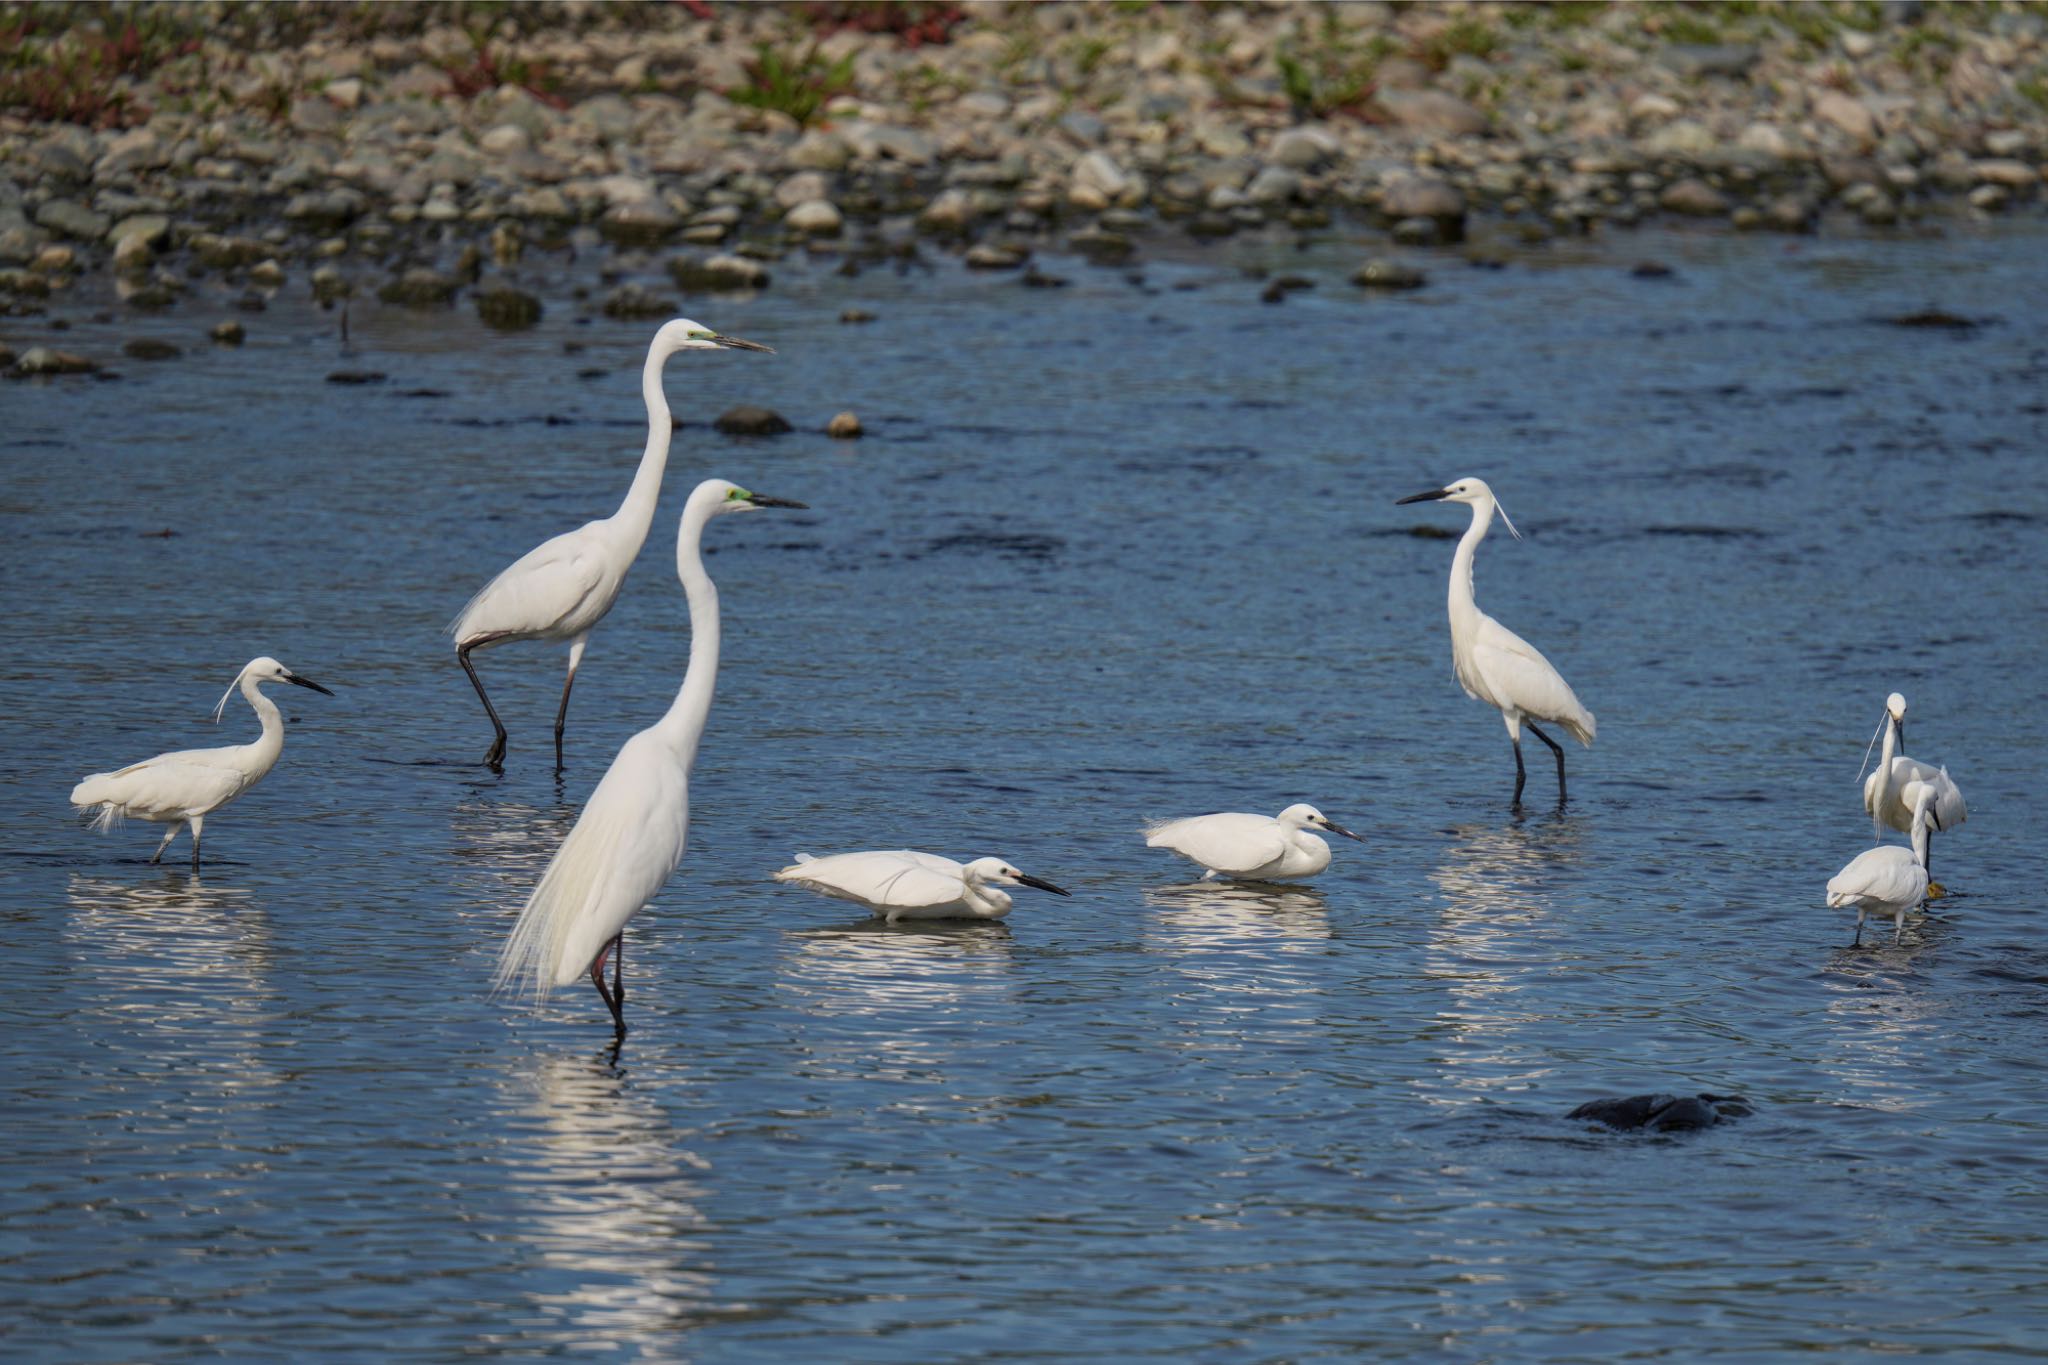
column 683, row 725
column 636, row 513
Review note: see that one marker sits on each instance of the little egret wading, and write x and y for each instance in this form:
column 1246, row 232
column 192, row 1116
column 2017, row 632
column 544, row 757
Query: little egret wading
column 1251, row 848
column 629, row 839
column 1884, row 791
column 1493, row 664
column 900, row 884
column 564, row 586
column 1889, row 877
column 186, row 786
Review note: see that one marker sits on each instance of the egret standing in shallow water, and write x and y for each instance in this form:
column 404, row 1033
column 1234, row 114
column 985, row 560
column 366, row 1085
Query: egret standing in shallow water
column 900, row 884
column 1889, row 877
column 1884, row 791
column 563, row 587
column 1493, row 664
column 1251, row 848
column 186, row 786
column 629, row 838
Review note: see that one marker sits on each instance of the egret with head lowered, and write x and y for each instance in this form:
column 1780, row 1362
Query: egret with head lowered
column 563, row 587
column 1888, row 877
column 1493, row 664
column 1884, row 791
column 629, row 839
column 1251, row 848
column 184, row 787
column 900, row 884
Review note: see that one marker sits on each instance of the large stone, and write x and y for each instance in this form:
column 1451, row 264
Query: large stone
column 507, row 309
column 1304, row 148
column 1710, row 59
column 714, row 274
column 820, row 150
column 1425, row 196
column 419, row 288
column 325, row 210
column 801, row 188
column 747, row 420
column 1694, row 196
column 1097, row 181
column 950, row 210
column 904, row 144
column 1385, row 274
column 637, row 301
column 219, row 252
column 647, row 222
column 817, row 217
column 1432, row 111
column 1683, row 138
column 1663, row 1113
column 1850, row 115
column 1273, row 185
column 73, row 219
column 844, row 426
column 44, row 360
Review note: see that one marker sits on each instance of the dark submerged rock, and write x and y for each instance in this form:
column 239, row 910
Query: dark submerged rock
column 1384, row 274
column 507, row 309
column 419, row 289
column 747, row 420
column 150, row 348
column 1663, row 1113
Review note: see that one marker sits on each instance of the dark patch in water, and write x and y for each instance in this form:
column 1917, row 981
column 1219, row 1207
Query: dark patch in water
column 1708, row 532
column 424, row 393
column 1009, row 546
column 1999, row 516
column 1934, row 319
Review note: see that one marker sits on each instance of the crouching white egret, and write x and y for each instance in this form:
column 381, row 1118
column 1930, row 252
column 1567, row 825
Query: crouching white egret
column 900, row 884
column 1251, row 848
column 184, row 787
column 563, row 587
column 1493, row 664
column 1884, row 791
column 629, row 839
column 1889, row 877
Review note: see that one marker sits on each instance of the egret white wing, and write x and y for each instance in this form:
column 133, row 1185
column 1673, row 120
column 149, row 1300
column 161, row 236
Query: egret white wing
column 557, row 579
column 1517, row 675
column 1888, row 875
column 624, row 847
column 897, row 879
column 167, row 785
column 1235, row 842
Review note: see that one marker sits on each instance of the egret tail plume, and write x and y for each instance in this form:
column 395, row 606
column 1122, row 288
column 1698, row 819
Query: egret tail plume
column 94, row 799
column 1875, row 735
column 575, row 881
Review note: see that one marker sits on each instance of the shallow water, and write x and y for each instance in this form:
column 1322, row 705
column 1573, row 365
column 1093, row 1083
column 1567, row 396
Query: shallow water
column 1108, row 553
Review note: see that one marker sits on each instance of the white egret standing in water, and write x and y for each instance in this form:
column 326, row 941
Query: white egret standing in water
column 564, row 586
column 1251, row 848
column 186, row 786
column 629, row 839
column 1493, row 664
column 1889, row 877
column 1884, row 791
column 900, row 884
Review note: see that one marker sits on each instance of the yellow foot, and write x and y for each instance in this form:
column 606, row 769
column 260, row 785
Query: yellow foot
column 1935, row 891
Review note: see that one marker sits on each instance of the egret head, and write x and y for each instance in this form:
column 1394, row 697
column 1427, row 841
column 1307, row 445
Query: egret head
column 996, row 872
column 726, row 496
column 264, row 669
column 1466, row 490
column 1301, row 815
column 685, row 335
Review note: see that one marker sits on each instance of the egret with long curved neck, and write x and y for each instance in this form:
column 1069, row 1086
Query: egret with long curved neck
column 629, row 839
column 1884, row 791
column 1493, row 664
column 187, row 785
column 565, row 586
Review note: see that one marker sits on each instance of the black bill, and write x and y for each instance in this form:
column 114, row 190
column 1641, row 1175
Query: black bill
column 307, row 682
column 763, row 500
column 1431, row 496
column 1041, row 885
column 740, row 344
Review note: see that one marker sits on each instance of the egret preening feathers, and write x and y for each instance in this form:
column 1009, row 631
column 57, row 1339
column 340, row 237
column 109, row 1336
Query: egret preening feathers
column 564, row 586
column 1493, row 664
column 1251, row 848
column 186, row 786
column 900, row 884
column 629, row 839
column 1889, row 877
column 1884, row 791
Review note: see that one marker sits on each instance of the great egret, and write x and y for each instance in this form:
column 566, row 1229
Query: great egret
column 900, row 884
column 561, row 588
column 1884, row 791
column 1251, row 848
column 1493, row 664
column 629, row 838
column 186, row 786
column 1889, row 877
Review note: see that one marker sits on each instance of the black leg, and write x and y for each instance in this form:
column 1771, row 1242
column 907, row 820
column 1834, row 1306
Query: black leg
column 1554, row 750
column 1521, row 774
column 195, row 847
column 614, row 1003
column 619, row 972
column 562, row 718
column 1929, row 867
column 496, row 757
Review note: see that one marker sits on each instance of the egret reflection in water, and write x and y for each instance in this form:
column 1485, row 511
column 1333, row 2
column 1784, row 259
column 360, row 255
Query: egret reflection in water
column 615, row 1198
column 1220, row 911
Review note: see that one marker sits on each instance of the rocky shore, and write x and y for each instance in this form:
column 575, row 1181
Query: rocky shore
column 432, row 154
